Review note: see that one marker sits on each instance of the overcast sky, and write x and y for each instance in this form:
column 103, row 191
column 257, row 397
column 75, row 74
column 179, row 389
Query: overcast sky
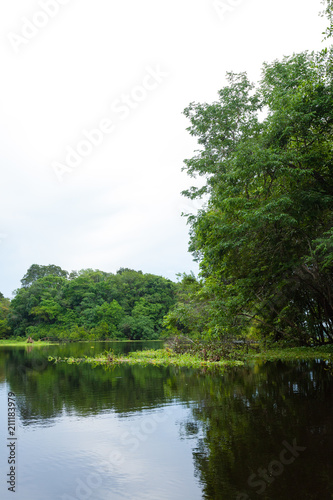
column 92, row 133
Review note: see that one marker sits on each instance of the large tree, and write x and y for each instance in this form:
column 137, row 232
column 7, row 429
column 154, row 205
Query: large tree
column 35, row 272
column 265, row 237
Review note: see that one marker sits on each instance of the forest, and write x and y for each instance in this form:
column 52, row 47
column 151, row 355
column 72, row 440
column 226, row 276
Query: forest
column 87, row 305
column 263, row 238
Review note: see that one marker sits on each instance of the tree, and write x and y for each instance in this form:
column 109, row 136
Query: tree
column 39, row 304
column 328, row 12
column 110, row 315
column 138, row 328
column 265, row 237
column 89, row 304
column 36, row 272
column 4, row 312
column 194, row 314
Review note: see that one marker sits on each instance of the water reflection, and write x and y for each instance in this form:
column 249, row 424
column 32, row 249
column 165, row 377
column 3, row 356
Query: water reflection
column 247, row 417
column 150, row 432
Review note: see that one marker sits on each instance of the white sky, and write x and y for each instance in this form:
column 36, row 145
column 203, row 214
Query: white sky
column 121, row 205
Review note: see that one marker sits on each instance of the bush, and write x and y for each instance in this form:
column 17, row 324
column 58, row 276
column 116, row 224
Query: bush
column 214, row 350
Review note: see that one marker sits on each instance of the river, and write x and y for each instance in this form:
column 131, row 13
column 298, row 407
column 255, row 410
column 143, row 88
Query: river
column 153, row 433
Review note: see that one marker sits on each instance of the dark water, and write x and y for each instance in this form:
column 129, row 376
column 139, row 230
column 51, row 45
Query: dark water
column 139, row 433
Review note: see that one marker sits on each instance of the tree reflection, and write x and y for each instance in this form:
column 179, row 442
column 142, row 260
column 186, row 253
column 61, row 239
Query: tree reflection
column 246, row 415
column 238, row 422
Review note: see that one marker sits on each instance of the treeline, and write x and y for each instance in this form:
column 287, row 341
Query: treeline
column 89, row 304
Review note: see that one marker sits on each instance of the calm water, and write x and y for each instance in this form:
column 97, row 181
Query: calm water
column 139, row 433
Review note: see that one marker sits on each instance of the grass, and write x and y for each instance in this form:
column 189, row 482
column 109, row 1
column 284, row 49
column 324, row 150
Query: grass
column 9, row 342
column 166, row 357
column 156, row 357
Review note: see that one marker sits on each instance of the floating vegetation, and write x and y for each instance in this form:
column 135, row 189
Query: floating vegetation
column 167, row 357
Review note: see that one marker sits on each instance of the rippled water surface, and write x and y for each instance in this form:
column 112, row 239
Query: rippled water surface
column 261, row 432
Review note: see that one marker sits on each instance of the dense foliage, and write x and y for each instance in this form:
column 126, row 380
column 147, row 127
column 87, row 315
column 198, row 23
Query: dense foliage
column 87, row 305
column 4, row 312
column 265, row 237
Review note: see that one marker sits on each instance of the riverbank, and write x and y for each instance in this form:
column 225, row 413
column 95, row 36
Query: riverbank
column 23, row 342
column 166, row 357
